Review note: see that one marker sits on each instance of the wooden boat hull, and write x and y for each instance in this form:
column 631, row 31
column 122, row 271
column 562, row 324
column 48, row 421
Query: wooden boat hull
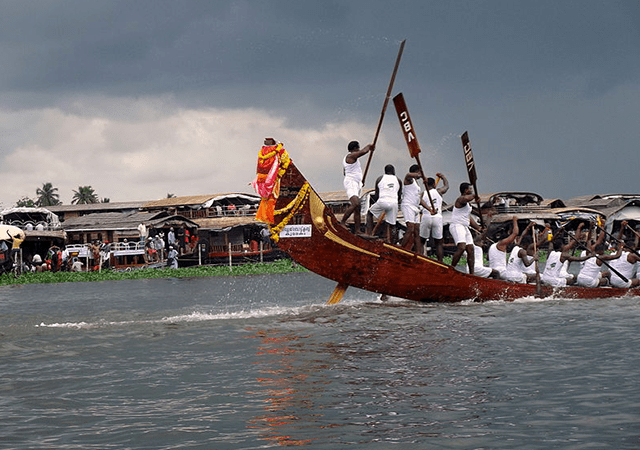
column 306, row 229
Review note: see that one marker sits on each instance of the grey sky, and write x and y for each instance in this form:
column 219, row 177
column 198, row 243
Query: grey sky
column 142, row 98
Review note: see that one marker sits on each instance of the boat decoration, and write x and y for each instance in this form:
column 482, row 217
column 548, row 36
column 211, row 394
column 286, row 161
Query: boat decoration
column 273, row 160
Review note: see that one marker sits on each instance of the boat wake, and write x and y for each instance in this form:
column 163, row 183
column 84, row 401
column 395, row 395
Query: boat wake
column 200, row 316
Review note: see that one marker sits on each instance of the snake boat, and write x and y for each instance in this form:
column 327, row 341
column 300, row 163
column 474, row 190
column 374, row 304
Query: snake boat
column 308, row 231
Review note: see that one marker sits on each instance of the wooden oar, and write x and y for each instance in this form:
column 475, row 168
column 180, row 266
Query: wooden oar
column 633, row 231
column 384, row 108
column 337, row 294
column 535, row 261
column 339, row 290
column 380, row 220
column 471, row 168
column 410, row 137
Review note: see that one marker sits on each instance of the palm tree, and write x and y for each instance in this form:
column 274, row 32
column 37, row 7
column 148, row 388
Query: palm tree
column 47, row 195
column 169, row 195
column 84, row 195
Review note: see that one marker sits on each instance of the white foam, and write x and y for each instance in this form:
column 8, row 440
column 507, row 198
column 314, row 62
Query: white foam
column 195, row 316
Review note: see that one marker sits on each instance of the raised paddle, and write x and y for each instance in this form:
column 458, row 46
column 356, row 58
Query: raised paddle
column 410, row 137
column 338, row 292
column 384, row 108
column 471, row 168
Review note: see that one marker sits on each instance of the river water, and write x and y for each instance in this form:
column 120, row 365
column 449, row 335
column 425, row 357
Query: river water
column 259, row 362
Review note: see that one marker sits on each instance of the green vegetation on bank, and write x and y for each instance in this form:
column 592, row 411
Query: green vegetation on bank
column 281, row 266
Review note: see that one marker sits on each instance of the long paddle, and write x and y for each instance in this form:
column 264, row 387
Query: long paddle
column 410, row 137
column 534, row 234
column 338, row 292
column 384, row 107
column 471, row 168
column 633, row 231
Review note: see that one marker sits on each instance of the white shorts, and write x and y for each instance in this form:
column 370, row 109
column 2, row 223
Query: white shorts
column 460, row 234
column 411, row 213
column 431, row 226
column 389, row 208
column 518, row 277
column 482, row 271
column 502, row 272
column 353, row 187
column 553, row 281
column 618, row 282
column 590, row 282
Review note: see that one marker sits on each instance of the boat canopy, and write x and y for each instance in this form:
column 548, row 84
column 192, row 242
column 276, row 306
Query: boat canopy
column 22, row 216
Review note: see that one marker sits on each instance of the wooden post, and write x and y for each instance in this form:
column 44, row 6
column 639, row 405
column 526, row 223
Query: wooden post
column 261, row 250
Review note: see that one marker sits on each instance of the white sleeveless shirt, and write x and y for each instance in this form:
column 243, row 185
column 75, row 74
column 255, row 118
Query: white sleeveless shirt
column 388, row 187
column 460, row 216
column 437, row 200
column 497, row 259
column 353, row 171
column 411, row 194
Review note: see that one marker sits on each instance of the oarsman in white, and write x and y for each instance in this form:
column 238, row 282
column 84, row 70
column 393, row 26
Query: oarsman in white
column 353, row 181
column 388, row 193
column 521, row 257
column 412, row 201
column 497, row 253
column 625, row 266
column 479, row 269
column 431, row 225
column 554, row 270
column 591, row 274
column 461, row 220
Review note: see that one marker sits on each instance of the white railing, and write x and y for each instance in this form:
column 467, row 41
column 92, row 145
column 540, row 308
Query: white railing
column 128, row 248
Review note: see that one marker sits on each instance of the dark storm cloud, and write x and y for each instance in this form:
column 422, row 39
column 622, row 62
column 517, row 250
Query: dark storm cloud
column 233, row 50
column 536, row 83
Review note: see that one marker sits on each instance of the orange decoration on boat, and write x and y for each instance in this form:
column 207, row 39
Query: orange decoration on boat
column 273, row 161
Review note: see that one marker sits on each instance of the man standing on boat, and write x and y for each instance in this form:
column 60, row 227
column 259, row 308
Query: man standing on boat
column 461, row 220
column 412, row 201
column 431, row 224
column 388, row 192
column 353, row 181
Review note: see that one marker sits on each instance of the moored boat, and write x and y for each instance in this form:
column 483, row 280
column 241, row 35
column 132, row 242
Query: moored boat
column 306, row 229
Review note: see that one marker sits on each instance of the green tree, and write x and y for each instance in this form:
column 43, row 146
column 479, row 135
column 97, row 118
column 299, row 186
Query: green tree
column 25, row 202
column 47, row 195
column 84, row 195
